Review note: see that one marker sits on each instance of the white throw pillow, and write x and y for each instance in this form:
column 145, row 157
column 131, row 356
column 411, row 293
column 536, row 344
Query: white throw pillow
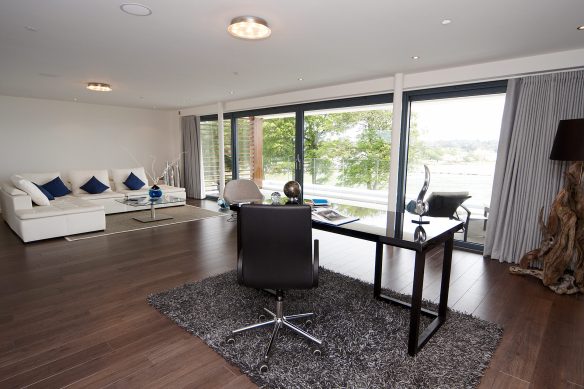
column 121, row 175
column 26, row 186
column 78, row 178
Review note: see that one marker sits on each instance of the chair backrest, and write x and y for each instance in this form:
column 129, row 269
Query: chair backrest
column 242, row 191
column 276, row 247
column 445, row 204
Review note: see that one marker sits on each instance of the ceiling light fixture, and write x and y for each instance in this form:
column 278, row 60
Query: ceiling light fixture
column 581, row 28
column 136, row 9
column 99, row 86
column 300, row 79
column 249, row 27
column 446, row 21
column 415, row 57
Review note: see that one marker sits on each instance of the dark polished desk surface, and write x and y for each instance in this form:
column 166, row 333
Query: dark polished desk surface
column 392, row 228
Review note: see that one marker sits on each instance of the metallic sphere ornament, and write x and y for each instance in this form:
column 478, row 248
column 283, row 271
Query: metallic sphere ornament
column 292, row 190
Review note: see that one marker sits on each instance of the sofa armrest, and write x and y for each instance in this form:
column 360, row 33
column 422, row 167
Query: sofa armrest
column 14, row 199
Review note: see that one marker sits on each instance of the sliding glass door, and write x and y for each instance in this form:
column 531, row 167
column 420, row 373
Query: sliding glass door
column 346, row 153
column 266, row 149
column 211, row 157
column 457, row 138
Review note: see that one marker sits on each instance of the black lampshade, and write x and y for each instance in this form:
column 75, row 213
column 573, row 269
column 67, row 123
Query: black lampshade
column 569, row 141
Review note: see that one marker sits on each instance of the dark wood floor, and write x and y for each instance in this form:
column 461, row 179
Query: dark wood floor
column 75, row 313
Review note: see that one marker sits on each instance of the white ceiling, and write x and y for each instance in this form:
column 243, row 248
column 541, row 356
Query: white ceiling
column 182, row 55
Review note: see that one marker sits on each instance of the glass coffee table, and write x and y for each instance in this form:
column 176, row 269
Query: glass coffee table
column 147, row 201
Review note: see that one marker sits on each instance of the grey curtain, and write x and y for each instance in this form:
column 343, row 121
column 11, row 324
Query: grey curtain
column 193, row 157
column 525, row 178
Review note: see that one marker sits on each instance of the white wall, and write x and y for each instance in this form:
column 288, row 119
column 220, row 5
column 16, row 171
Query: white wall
column 48, row 135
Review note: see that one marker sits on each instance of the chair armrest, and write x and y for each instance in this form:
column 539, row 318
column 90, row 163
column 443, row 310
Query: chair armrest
column 315, row 264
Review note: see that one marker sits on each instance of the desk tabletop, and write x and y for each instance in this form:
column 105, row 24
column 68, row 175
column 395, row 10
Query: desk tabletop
column 392, row 228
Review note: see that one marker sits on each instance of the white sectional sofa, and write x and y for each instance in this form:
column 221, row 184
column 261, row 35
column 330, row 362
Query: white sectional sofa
column 77, row 212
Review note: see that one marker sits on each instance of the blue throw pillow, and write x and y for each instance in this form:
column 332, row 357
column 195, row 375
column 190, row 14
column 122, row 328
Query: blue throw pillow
column 133, row 182
column 94, row 186
column 56, row 187
column 45, row 192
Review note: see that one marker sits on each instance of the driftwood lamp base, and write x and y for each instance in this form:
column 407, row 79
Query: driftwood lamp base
column 562, row 245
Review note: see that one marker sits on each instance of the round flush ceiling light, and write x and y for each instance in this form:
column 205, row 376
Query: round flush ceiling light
column 136, row 9
column 581, row 28
column 99, row 86
column 249, row 27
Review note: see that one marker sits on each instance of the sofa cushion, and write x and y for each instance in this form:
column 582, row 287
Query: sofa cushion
column 45, row 192
column 62, row 206
column 94, row 186
column 79, row 177
column 133, row 182
column 100, row 196
column 31, row 189
column 56, row 187
column 120, row 175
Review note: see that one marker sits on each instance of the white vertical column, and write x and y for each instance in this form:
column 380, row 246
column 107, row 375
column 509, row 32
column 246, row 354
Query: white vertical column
column 398, row 87
column 221, row 142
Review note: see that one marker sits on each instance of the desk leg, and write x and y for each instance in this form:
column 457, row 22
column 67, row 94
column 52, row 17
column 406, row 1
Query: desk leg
column 445, row 283
column 416, row 303
column 378, row 265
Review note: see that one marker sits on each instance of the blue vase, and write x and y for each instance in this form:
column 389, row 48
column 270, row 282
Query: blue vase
column 155, row 192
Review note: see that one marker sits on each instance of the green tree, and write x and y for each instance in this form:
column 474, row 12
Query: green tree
column 369, row 164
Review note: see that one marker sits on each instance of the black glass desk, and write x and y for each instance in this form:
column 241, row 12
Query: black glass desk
column 397, row 229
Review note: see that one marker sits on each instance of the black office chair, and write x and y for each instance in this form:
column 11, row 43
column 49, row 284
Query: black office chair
column 275, row 252
column 446, row 204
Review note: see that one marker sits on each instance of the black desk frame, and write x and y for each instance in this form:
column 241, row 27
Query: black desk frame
column 415, row 340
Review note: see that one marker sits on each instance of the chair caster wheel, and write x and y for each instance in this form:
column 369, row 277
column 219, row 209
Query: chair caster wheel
column 308, row 323
column 264, row 368
column 231, row 341
column 316, row 352
column 262, row 317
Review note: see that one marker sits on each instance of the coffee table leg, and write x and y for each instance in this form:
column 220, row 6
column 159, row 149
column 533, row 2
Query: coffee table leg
column 445, row 283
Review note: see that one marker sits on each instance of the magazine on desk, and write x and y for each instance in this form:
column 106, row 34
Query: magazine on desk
column 330, row 216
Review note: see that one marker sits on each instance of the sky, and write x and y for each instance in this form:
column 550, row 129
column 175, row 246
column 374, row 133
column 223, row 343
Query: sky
column 473, row 118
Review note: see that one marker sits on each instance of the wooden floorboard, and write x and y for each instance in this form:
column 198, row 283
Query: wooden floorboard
column 75, row 313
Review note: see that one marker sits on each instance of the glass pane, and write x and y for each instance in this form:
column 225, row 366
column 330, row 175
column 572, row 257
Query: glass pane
column 457, row 138
column 346, row 154
column 266, row 150
column 210, row 146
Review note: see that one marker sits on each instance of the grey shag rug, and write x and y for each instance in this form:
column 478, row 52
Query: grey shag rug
column 365, row 340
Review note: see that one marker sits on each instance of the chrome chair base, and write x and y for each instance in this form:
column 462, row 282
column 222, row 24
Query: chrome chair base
column 280, row 321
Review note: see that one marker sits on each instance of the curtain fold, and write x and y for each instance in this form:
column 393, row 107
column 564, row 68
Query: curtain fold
column 525, row 178
column 193, row 157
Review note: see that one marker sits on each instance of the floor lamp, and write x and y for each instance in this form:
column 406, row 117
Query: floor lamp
column 563, row 236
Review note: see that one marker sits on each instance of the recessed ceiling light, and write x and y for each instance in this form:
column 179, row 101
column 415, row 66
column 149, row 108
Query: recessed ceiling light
column 75, row 99
column 415, row 57
column 300, row 79
column 136, row 9
column 99, row 86
column 446, row 21
column 581, row 28
column 249, row 27
column 30, row 28
column 231, row 92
